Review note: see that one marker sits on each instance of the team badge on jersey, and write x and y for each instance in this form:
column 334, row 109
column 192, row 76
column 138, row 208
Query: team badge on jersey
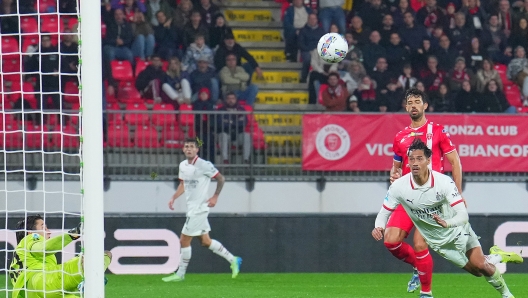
column 429, row 136
column 36, row 236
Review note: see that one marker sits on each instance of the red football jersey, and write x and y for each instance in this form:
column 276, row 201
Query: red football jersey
column 432, row 134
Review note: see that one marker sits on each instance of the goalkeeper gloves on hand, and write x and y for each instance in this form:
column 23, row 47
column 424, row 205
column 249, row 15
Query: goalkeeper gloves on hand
column 75, row 233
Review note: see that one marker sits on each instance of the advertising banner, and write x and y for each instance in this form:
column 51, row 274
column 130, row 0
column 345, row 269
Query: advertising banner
column 363, row 142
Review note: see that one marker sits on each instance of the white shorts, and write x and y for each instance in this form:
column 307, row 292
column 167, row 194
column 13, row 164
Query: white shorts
column 455, row 251
column 196, row 225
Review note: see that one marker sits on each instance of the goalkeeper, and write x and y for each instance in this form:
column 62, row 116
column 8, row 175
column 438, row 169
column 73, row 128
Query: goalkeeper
column 34, row 268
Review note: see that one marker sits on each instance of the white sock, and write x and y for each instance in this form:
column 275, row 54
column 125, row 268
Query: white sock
column 185, row 258
column 220, row 250
column 498, row 283
column 493, row 259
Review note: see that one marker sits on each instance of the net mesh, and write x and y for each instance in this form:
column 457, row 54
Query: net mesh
column 40, row 113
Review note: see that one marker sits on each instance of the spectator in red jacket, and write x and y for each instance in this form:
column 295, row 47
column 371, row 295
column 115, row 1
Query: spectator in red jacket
column 336, row 95
column 432, row 77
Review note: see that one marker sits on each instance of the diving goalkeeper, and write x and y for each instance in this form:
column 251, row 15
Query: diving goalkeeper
column 34, row 270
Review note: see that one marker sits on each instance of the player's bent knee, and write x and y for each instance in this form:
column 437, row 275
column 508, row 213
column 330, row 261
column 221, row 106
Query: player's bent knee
column 394, row 235
column 420, row 246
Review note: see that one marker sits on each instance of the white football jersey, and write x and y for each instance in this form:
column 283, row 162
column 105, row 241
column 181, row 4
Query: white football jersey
column 437, row 196
column 196, row 177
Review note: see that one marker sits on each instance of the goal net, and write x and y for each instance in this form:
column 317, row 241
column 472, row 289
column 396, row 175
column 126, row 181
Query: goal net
column 42, row 138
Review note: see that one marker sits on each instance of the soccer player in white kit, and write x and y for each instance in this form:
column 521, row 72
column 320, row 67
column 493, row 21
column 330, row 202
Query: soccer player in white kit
column 195, row 175
column 434, row 204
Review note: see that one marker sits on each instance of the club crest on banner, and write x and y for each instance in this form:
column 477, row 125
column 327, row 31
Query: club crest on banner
column 332, row 142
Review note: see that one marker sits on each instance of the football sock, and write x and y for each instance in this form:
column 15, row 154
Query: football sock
column 220, row 250
column 424, row 264
column 402, row 251
column 498, row 283
column 185, row 258
column 494, row 259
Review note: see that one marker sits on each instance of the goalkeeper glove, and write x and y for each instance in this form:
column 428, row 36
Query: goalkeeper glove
column 75, row 233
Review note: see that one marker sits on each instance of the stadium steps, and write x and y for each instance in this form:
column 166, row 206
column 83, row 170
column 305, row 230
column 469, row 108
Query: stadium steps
column 257, row 35
column 256, row 25
column 268, row 56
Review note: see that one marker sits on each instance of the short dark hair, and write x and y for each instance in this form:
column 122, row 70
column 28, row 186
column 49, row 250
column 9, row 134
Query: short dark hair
column 196, row 11
column 231, row 93
column 414, row 92
column 25, row 225
column 418, row 144
column 334, row 74
column 192, row 140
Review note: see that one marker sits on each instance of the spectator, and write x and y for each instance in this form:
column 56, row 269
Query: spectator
column 235, row 79
column 372, row 13
column 446, row 54
column 387, row 29
column 144, row 41
column 149, row 80
column 420, row 86
column 486, row 74
column 353, row 104
column 295, row 18
column 392, row 99
column 459, row 74
column 373, row 51
column 176, row 87
column 229, row 46
column 368, row 100
column 504, row 57
column 167, row 39
column 430, row 16
column 116, row 44
column 197, row 49
column 308, row 39
column 354, row 52
column 495, row 101
column 475, row 14
column 496, row 35
column 205, row 77
column 207, row 11
column 204, row 122
column 360, row 33
column 505, row 17
column 47, row 64
column 193, row 28
column 518, row 70
column 129, row 7
column 466, row 101
column 399, row 12
column 182, row 14
column 522, row 11
column 475, row 55
column 319, row 75
column 411, row 33
column 461, row 34
column 406, row 80
column 334, row 29
column 420, row 56
column 231, row 127
column 69, row 56
column 153, row 6
column 437, row 33
column 357, row 71
column 519, row 36
column 330, row 11
column 432, row 77
column 450, row 16
column 9, row 24
column 442, row 100
column 67, row 6
column 336, row 95
column 219, row 31
column 382, row 76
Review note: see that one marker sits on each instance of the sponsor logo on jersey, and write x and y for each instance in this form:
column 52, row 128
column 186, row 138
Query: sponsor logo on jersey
column 332, row 142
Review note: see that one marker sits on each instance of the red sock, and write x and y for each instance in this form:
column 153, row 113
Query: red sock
column 402, row 251
column 424, row 264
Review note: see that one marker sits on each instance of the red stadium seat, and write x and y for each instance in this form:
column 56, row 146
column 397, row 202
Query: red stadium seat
column 9, row 120
column 140, row 118
column 36, row 136
column 103, row 30
column 66, row 137
column 11, row 68
column 9, row 45
column 29, row 40
column 26, row 91
column 72, row 22
column 119, row 136
column 513, row 94
column 28, row 24
column 127, row 93
column 146, row 136
column 71, row 92
column 259, row 143
column 502, row 70
column 52, row 119
column 122, row 70
column 140, row 66
column 164, row 119
column 186, row 119
column 52, row 25
column 13, row 137
column 172, row 137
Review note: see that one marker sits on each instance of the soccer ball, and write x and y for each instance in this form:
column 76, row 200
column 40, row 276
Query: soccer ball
column 332, row 47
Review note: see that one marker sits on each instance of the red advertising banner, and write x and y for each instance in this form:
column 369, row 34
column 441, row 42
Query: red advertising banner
column 485, row 143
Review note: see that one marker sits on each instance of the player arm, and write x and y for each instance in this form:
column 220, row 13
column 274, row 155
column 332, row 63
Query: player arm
column 50, row 246
column 220, row 181
column 461, row 217
column 389, row 205
column 179, row 191
column 396, row 169
column 456, row 166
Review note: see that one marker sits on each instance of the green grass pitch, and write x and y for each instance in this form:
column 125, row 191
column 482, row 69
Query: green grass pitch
column 304, row 285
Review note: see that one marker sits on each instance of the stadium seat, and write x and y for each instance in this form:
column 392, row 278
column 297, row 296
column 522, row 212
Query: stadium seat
column 513, row 95
column 9, row 45
column 65, row 138
column 122, row 70
column 28, row 24
column 186, row 119
column 35, row 136
column 71, row 92
column 172, row 137
column 112, row 116
column 146, row 136
column 119, row 136
column 26, row 91
column 103, row 30
column 502, row 70
column 163, row 119
column 72, row 22
column 127, row 93
column 52, row 25
column 322, row 89
column 52, row 119
column 140, row 66
column 44, row 6
column 140, row 118
column 259, row 143
column 11, row 68
column 13, row 137
column 29, row 40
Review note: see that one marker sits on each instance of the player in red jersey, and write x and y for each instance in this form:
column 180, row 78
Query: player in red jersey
column 400, row 225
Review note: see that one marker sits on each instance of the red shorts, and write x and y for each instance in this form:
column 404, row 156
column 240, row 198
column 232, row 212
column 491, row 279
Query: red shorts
column 399, row 219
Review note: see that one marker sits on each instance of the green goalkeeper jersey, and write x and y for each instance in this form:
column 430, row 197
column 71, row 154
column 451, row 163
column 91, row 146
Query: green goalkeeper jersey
column 36, row 253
